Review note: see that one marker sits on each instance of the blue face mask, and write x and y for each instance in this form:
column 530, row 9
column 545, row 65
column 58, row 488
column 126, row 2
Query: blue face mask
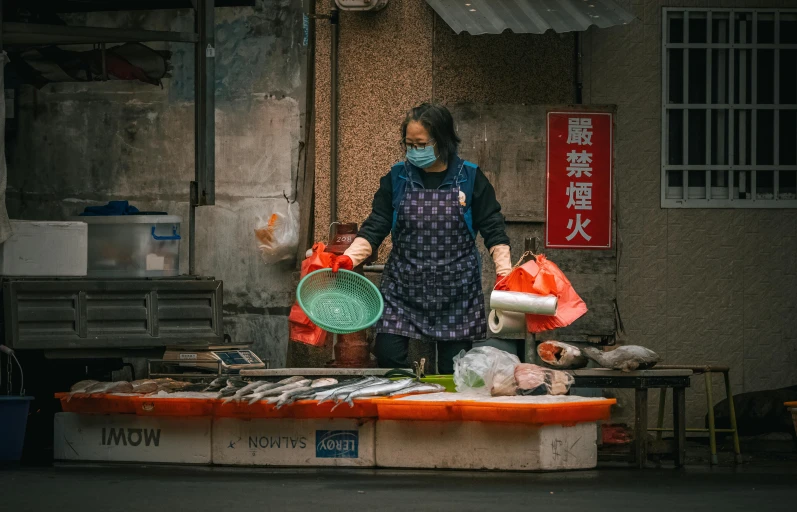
column 422, row 158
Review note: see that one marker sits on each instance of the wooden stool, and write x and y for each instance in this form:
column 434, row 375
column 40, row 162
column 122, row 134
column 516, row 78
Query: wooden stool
column 706, row 371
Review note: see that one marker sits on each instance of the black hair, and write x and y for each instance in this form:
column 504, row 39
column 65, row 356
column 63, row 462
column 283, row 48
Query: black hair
column 438, row 122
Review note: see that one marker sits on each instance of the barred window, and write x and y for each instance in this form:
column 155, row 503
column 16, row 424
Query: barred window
column 729, row 108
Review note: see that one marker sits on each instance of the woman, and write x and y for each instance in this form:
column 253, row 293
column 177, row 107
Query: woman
column 434, row 203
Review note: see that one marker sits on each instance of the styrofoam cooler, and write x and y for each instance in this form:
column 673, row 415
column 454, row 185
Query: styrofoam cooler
column 133, row 246
column 45, row 248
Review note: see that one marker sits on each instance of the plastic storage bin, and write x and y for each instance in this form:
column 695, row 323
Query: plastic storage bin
column 14, row 414
column 45, row 248
column 133, row 246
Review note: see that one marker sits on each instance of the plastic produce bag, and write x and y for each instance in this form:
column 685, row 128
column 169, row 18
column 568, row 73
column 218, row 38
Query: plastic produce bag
column 483, row 369
column 301, row 329
column 536, row 380
column 277, row 237
column 541, row 276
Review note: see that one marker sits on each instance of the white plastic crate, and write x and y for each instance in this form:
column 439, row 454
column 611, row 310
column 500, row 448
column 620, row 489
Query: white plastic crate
column 45, row 248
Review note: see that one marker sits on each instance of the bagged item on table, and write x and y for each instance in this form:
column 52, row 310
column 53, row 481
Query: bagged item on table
column 536, row 380
column 541, row 276
column 301, row 329
column 481, row 368
column 278, row 237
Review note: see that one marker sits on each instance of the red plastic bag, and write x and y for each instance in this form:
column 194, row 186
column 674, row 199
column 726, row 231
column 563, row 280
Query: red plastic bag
column 301, row 329
column 542, row 277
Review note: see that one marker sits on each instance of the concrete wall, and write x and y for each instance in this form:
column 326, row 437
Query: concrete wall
column 697, row 286
column 81, row 144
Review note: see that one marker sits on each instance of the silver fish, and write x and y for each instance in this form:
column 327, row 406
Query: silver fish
column 419, row 389
column 277, row 391
column 216, row 384
column 290, row 396
column 331, row 395
column 110, row 387
column 244, row 390
column 378, row 390
column 272, row 385
column 626, row 358
column 320, row 383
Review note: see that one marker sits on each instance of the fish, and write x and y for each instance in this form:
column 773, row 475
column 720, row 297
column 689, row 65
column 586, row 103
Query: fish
column 244, row 390
column 277, row 391
column 380, row 389
column 81, row 386
column 561, row 355
column 320, row 383
column 121, row 386
column 419, row 389
column 626, row 358
column 216, row 384
column 290, row 396
column 343, row 390
column 167, row 384
column 144, row 386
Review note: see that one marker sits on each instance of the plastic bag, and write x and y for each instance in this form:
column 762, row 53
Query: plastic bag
column 483, row 368
column 536, row 380
column 542, row 277
column 278, row 237
column 301, row 329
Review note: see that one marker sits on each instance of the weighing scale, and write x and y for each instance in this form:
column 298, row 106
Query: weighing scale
column 213, row 361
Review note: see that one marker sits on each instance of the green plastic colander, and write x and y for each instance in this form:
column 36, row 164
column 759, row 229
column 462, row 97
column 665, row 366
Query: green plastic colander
column 339, row 302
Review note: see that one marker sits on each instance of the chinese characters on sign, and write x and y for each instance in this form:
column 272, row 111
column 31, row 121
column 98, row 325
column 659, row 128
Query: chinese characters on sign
column 579, row 175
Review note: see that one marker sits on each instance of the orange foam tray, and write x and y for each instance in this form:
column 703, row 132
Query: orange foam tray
column 182, row 407
column 563, row 413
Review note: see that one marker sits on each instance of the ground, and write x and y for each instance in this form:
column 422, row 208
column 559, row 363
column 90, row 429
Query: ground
column 121, row 488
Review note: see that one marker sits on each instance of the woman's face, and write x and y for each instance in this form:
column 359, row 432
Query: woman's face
column 418, row 134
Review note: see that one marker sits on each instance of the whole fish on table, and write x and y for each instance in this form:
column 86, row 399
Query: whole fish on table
column 216, row 384
column 110, row 387
column 344, row 390
column 230, row 389
column 419, row 389
column 80, row 387
column 277, row 391
column 377, row 390
column 626, row 358
column 289, row 397
column 244, row 390
column 258, row 386
column 314, row 392
column 321, row 383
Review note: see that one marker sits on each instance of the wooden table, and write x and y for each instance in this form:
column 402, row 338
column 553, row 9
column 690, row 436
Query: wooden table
column 641, row 381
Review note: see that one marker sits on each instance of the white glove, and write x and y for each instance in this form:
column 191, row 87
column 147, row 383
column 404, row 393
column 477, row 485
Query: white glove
column 502, row 260
column 358, row 251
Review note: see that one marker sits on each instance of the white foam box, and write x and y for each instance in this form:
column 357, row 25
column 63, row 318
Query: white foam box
column 131, row 438
column 293, row 442
column 45, row 248
column 485, row 445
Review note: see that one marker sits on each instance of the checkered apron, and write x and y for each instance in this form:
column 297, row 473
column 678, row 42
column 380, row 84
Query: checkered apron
column 432, row 281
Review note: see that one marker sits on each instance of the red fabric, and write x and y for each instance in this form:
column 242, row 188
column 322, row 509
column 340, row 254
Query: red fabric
column 542, row 277
column 301, row 329
column 501, row 283
column 342, row 262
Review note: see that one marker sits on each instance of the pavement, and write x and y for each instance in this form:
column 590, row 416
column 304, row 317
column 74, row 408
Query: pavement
column 135, row 487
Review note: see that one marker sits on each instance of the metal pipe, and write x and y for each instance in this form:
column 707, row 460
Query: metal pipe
column 333, row 115
column 193, row 199
column 579, row 79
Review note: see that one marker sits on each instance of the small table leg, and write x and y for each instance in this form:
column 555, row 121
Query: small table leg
column 679, row 425
column 641, row 427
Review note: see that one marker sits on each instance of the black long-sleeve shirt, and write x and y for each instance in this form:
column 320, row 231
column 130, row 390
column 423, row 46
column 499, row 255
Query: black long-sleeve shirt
column 487, row 217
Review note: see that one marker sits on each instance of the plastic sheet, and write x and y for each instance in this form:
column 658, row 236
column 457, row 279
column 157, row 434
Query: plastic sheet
column 477, row 369
column 278, row 237
column 523, row 302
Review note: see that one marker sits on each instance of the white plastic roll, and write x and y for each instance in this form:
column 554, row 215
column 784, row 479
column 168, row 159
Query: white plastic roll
column 508, row 325
column 523, row 302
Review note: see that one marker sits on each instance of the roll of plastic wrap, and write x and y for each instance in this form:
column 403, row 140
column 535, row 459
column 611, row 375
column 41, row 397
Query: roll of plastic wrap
column 509, row 324
column 523, row 302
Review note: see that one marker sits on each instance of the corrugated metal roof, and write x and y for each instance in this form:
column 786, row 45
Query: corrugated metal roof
column 529, row 16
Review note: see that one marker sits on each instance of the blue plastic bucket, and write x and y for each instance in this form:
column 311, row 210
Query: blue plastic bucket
column 13, row 420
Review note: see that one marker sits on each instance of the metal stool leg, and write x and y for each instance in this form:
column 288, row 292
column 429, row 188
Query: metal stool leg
column 736, row 448
column 712, row 434
column 662, row 403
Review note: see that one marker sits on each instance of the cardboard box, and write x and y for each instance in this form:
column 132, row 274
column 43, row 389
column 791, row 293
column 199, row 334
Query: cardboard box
column 45, row 248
